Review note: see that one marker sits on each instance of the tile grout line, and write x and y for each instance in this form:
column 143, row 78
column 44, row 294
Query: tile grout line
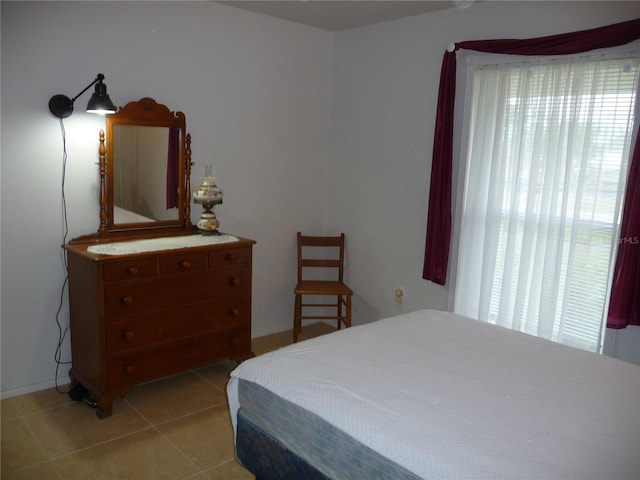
column 103, row 442
column 155, row 426
column 54, row 458
column 223, row 391
column 40, row 410
column 41, row 446
column 184, row 455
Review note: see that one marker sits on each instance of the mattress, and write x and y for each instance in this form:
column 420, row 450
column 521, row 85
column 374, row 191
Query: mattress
column 438, row 395
column 337, row 454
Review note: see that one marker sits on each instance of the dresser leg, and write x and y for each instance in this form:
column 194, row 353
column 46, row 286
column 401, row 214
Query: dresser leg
column 105, row 407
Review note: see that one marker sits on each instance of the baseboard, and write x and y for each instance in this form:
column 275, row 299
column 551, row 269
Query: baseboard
column 36, row 387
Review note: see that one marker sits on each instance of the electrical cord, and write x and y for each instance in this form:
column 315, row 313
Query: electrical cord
column 62, row 332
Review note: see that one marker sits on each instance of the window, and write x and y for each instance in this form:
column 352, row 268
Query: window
column 548, row 148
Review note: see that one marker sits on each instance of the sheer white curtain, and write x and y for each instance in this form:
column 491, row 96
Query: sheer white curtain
column 546, row 161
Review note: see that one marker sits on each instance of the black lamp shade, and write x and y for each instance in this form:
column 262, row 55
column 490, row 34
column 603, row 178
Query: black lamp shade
column 100, row 101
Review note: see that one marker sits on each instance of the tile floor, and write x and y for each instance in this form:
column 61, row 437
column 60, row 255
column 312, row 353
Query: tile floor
column 177, row 428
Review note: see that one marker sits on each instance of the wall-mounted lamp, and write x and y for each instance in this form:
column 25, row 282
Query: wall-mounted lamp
column 62, row 106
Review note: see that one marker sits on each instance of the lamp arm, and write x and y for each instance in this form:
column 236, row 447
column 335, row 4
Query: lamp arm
column 99, row 78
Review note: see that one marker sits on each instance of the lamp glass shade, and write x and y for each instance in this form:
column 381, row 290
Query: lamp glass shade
column 100, row 101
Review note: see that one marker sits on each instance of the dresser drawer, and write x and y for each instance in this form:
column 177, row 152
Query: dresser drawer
column 168, row 292
column 144, row 364
column 183, row 263
column 133, row 269
column 167, row 325
column 229, row 257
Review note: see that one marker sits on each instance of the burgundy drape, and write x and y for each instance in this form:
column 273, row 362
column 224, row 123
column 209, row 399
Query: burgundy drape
column 624, row 303
column 436, row 256
column 172, row 168
column 436, row 250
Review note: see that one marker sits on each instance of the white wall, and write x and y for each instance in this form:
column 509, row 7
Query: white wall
column 256, row 95
column 306, row 131
column 385, row 84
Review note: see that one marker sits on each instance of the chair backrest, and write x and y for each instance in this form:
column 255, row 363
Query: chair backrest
column 329, row 253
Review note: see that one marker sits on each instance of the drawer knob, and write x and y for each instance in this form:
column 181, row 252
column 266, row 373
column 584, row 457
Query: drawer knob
column 185, row 264
column 229, row 257
column 132, row 270
column 235, row 281
column 234, row 312
column 128, row 300
column 128, row 335
column 128, row 368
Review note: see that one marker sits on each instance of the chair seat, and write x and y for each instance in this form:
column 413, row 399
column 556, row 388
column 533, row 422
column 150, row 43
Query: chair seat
column 322, row 287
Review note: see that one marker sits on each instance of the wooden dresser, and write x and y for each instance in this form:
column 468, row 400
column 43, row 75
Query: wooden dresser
column 143, row 316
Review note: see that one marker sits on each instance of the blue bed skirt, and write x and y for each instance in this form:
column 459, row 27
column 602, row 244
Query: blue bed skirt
column 266, row 457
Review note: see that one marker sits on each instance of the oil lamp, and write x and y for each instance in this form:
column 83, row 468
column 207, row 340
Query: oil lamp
column 208, row 194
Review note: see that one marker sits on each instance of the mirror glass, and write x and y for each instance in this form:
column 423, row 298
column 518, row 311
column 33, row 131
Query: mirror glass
column 145, row 172
column 145, row 166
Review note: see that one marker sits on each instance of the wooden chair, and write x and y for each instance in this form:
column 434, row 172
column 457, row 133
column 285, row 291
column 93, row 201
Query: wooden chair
column 313, row 267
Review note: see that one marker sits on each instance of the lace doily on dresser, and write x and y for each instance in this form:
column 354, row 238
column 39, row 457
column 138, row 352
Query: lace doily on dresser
column 155, row 244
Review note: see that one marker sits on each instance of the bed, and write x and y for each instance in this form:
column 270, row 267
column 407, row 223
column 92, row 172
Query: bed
column 432, row 394
column 121, row 215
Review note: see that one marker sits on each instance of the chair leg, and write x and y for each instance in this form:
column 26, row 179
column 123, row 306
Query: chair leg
column 339, row 305
column 348, row 317
column 297, row 321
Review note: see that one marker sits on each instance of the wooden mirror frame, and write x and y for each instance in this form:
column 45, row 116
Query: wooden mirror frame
column 145, row 112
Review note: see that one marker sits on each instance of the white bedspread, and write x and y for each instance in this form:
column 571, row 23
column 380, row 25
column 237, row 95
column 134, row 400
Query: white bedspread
column 449, row 397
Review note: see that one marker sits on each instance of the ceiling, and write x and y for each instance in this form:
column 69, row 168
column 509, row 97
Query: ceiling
column 336, row 15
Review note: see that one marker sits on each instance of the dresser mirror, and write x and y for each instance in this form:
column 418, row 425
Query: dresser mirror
column 144, row 170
